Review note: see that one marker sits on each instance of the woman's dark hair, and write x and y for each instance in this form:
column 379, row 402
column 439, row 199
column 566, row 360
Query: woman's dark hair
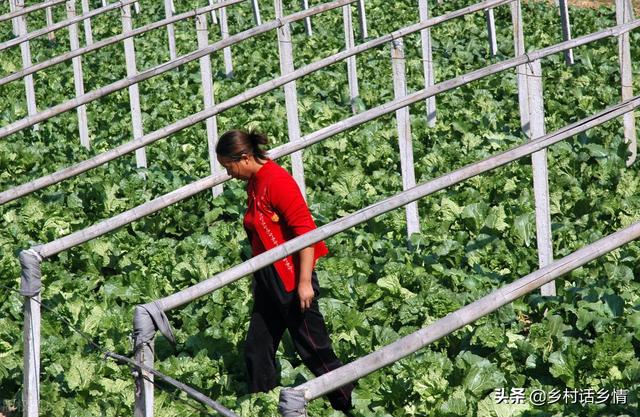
column 236, row 142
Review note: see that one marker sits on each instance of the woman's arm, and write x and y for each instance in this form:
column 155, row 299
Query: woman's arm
column 286, row 199
column 305, row 289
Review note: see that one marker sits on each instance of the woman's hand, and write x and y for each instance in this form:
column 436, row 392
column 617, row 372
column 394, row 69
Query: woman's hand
column 305, row 289
column 305, row 294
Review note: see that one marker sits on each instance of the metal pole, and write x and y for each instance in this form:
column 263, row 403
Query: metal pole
column 30, row 285
column 491, row 31
column 78, row 79
column 214, row 16
column 362, row 18
column 144, row 382
column 14, row 13
column 466, row 315
column 42, row 182
column 209, row 100
column 566, row 30
column 352, row 71
column 60, row 25
column 14, row 22
column 134, row 95
column 25, row 51
column 307, row 20
column 226, row 52
column 110, row 41
column 27, row 188
column 88, row 35
column 521, row 70
column 427, row 62
column 49, row 19
column 290, row 95
column 256, row 12
column 624, row 14
column 168, row 12
column 540, row 173
column 31, row 394
column 403, row 123
column 167, row 66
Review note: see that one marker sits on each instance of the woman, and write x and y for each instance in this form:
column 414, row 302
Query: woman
column 285, row 293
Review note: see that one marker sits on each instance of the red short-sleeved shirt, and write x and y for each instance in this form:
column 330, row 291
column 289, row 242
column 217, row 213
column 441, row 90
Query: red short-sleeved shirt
column 277, row 212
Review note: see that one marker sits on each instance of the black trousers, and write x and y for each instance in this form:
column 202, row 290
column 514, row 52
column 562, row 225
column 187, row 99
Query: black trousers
column 275, row 310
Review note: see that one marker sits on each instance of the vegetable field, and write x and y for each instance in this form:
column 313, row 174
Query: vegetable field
column 376, row 285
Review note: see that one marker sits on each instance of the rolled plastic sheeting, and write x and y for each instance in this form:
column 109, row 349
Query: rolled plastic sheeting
column 30, row 282
column 292, row 403
column 146, row 319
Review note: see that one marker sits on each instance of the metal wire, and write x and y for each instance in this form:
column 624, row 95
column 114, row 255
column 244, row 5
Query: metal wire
column 175, row 394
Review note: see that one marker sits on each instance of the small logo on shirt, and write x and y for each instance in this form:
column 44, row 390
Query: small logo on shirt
column 275, row 218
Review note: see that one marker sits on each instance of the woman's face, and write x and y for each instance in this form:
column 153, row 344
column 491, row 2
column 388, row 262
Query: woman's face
column 236, row 168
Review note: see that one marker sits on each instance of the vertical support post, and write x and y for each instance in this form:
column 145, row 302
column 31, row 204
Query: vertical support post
column 256, row 12
column 427, row 62
column 624, row 14
column 491, row 31
column 521, row 70
column 214, row 16
column 25, row 51
column 540, row 173
column 88, row 34
column 14, row 22
column 209, row 100
column 134, row 95
column 290, row 95
column 351, row 61
column 362, row 18
column 144, row 329
column 49, row 19
column 104, row 3
column 404, row 133
column 144, row 382
column 566, row 29
column 78, row 78
column 307, row 20
column 168, row 12
column 32, row 320
column 532, row 123
column 226, row 52
column 30, row 285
